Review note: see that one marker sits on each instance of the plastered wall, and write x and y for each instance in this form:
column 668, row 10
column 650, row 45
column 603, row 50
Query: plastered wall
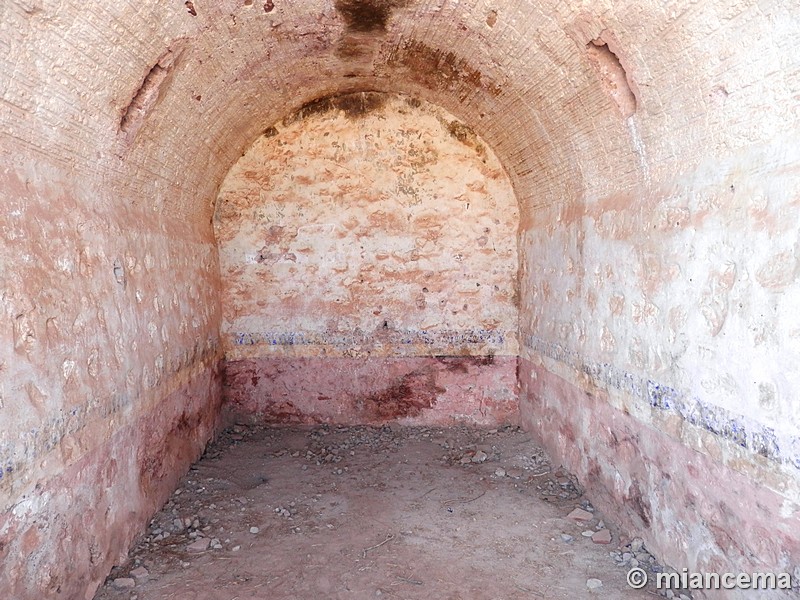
column 368, row 254
column 109, row 324
column 659, row 325
column 675, row 350
column 104, row 325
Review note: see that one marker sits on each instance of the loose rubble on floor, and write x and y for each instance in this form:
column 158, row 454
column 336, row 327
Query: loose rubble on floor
column 401, row 512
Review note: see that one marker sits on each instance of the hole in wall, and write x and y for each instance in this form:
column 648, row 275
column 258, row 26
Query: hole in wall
column 149, row 92
column 613, row 75
column 119, row 272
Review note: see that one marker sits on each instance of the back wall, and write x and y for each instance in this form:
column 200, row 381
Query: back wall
column 369, row 259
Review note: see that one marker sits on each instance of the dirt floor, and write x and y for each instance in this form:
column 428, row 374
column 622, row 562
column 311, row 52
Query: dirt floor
column 366, row 512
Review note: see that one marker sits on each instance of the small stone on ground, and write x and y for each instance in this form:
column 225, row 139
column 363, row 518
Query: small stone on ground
column 602, row 537
column 124, row 583
column 594, row 584
column 199, row 545
column 580, row 515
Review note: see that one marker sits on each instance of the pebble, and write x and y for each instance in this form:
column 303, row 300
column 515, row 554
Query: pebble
column 140, row 574
column 594, row 584
column 588, row 533
column 254, row 530
column 635, row 554
column 199, row 545
column 602, row 537
column 216, row 544
column 579, row 514
column 514, row 473
column 124, row 583
column 566, row 538
column 480, row 456
column 500, row 472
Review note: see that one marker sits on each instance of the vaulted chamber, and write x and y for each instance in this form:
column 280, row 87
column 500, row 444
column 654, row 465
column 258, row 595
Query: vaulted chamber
column 653, row 228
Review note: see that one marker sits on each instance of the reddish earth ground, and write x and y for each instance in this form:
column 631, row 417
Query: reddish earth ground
column 367, row 512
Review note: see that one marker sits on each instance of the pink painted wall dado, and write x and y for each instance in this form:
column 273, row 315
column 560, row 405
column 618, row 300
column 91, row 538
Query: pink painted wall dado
column 368, row 255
